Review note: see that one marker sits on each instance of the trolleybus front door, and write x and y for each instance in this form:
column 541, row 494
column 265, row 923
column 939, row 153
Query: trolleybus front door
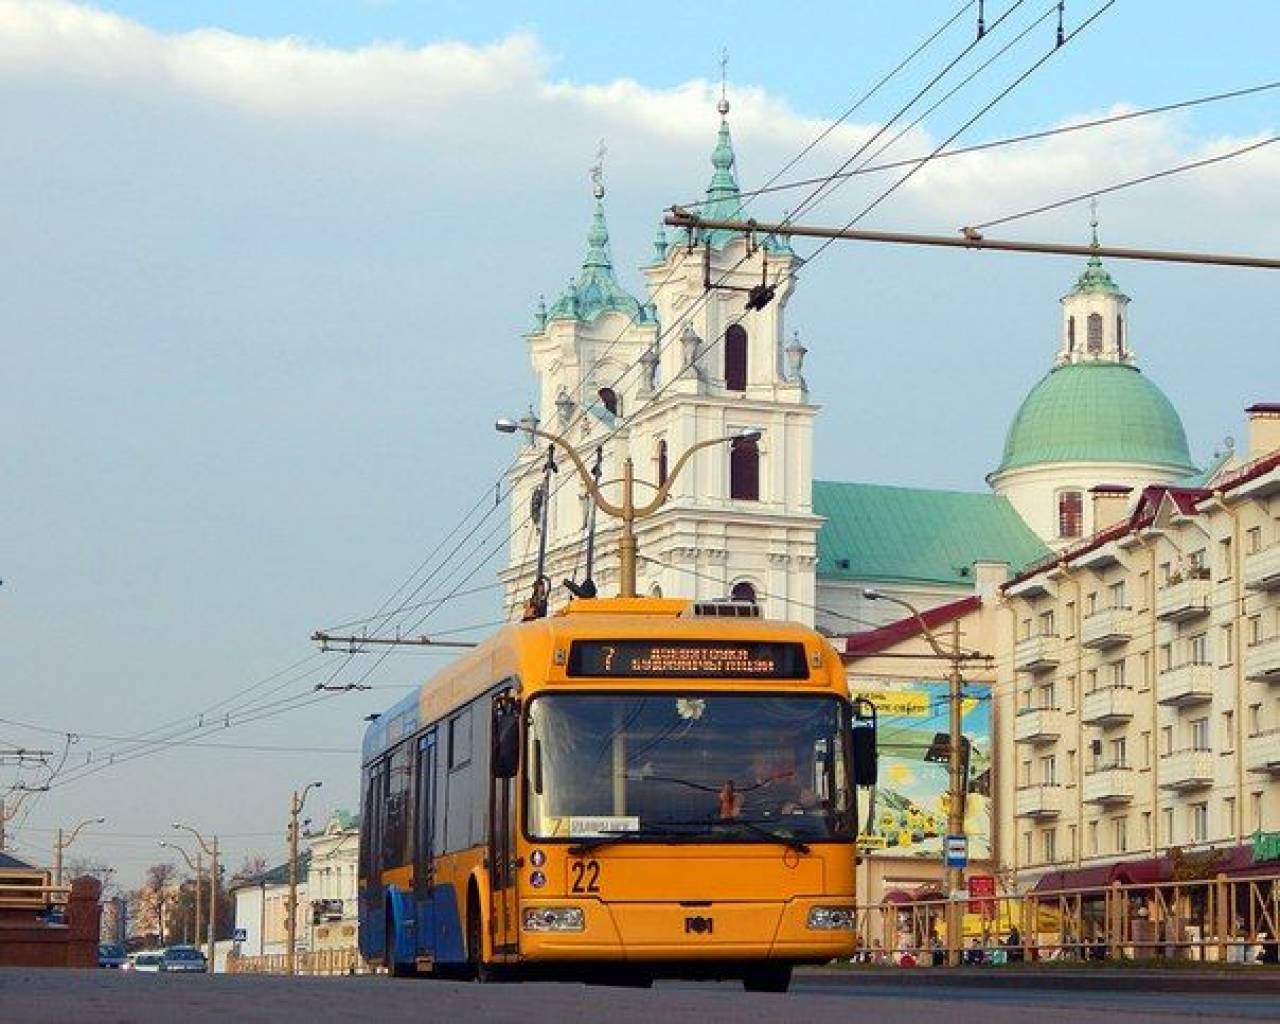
column 424, row 846
column 502, row 868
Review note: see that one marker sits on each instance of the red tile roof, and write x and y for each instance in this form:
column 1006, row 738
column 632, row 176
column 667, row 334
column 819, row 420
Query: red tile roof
column 861, row 645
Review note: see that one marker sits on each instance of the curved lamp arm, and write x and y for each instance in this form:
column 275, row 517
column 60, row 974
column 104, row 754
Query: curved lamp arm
column 185, row 856
column 76, row 831
column 876, row 595
column 661, row 496
column 199, row 838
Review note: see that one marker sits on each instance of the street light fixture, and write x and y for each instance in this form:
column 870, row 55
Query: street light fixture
column 955, row 761
column 60, row 844
column 211, row 848
column 198, row 868
column 627, row 511
column 291, row 909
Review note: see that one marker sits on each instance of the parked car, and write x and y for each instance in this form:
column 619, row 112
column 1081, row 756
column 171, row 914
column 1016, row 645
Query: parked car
column 183, row 959
column 148, row 961
column 111, row 956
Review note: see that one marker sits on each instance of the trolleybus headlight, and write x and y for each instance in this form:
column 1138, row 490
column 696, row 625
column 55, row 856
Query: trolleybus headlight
column 829, row 919
column 537, row 879
column 554, row 919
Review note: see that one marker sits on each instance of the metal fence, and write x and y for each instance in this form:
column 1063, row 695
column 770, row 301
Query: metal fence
column 319, row 961
column 1219, row 919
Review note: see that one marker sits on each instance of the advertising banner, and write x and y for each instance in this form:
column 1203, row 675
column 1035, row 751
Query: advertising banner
column 912, row 797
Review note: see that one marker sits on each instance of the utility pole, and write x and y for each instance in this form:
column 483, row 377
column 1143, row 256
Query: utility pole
column 59, row 844
column 211, row 848
column 957, row 784
column 628, row 511
column 291, row 905
column 195, row 866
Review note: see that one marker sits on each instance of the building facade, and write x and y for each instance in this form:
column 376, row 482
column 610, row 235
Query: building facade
column 1144, row 671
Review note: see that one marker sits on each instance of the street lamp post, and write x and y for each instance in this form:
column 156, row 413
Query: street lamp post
column 60, row 844
column 197, row 867
column 291, row 907
column 955, row 762
column 627, row 511
column 211, row 848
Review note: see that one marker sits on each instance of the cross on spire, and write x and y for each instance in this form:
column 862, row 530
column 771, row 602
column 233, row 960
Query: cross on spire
column 1093, row 220
column 723, row 105
column 597, row 170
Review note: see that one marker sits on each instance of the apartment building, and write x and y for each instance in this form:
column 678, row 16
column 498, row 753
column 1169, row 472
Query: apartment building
column 1143, row 667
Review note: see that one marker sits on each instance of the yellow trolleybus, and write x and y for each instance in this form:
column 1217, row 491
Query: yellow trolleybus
column 633, row 788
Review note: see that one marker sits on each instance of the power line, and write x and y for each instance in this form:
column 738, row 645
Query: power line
column 1009, row 141
column 1143, row 179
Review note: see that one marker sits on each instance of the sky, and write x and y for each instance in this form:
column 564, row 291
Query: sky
column 267, row 268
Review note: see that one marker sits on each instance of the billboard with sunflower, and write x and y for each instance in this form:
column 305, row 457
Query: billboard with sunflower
column 912, row 798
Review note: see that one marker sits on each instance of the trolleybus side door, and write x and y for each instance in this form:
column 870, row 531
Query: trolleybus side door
column 424, row 845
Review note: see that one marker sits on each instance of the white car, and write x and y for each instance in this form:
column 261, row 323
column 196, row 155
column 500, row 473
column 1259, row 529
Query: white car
column 148, row 961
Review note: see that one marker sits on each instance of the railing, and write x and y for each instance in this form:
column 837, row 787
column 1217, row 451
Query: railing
column 1219, row 919
column 319, row 961
column 34, row 894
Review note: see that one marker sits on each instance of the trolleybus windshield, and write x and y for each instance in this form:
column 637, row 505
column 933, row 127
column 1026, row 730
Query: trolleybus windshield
column 704, row 766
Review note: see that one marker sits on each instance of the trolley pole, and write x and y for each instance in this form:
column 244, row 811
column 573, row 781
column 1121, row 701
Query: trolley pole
column 628, row 511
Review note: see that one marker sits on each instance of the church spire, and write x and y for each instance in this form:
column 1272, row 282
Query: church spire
column 1095, row 317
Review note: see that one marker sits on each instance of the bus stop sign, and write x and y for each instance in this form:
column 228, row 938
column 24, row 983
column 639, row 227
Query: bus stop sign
column 957, row 851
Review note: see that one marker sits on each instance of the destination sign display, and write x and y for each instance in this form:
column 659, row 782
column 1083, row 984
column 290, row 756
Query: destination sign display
column 688, row 659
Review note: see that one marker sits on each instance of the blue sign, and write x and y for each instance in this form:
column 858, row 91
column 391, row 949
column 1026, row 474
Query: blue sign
column 240, row 935
column 957, row 851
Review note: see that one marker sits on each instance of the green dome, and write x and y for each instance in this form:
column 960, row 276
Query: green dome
column 1096, row 412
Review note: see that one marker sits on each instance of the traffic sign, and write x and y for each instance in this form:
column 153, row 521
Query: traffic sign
column 957, row 851
column 240, row 935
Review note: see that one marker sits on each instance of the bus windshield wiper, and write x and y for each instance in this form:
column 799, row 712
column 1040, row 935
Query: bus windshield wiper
column 791, row 842
column 589, row 843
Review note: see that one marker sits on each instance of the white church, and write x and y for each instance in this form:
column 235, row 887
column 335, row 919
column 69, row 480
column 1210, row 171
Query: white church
column 647, row 379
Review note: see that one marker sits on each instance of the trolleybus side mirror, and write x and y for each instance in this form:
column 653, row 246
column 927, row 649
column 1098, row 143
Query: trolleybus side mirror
column 865, row 759
column 506, row 738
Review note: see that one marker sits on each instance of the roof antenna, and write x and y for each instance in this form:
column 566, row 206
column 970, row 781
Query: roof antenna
column 587, row 588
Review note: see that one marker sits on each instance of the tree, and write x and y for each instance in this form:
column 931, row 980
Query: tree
column 149, row 904
column 78, row 867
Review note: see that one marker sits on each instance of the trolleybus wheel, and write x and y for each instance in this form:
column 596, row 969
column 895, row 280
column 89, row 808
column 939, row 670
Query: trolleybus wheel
column 478, row 969
column 768, row 978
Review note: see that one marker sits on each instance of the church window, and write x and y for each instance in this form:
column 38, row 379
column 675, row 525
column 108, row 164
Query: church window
column 744, row 469
column 1095, row 332
column 1070, row 514
column 609, row 399
column 735, row 358
column 1071, row 334
column 743, row 591
column 1119, row 334
column 662, row 461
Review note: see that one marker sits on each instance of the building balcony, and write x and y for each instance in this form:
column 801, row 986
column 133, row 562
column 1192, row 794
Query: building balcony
column 1108, row 784
column 1186, row 599
column 1107, row 705
column 1100, row 557
column 1191, row 683
column 1108, row 627
column 1043, row 801
column 1037, row 725
column 1262, row 660
column 1036, row 653
column 1262, row 569
column 1262, row 752
column 1186, row 769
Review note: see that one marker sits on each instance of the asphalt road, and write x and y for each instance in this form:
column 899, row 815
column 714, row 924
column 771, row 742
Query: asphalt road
column 111, row 997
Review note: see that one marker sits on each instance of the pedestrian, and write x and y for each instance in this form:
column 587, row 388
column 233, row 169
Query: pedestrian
column 937, row 953
column 1014, row 945
column 973, row 955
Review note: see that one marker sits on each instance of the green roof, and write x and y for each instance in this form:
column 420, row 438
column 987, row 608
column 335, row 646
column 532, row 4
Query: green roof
column 909, row 534
column 1096, row 412
column 596, row 290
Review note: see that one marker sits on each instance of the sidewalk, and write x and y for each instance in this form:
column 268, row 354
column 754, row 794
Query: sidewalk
column 1117, row 978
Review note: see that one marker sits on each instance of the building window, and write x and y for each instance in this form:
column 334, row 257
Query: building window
column 1226, row 639
column 662, row 461
column 1146, row 828
column 1026, row 847
column 1117, row 673
column 1198, row 649
column 1224, row 558
column 1167, row 825
column 1118, row 753
column 609, row 399
column 1254, row 537
column 1166, row 739
column 743, row 591
column 1046, row 623
column 1070, row 514
column 1229, row 815
column 1049, row 845
column 1118, row 594
column 744, row 469
column 1255, row 811
column 1049, row 770
column 1228, row 743
column 1093, row 838
column 1255, row 719
column 1070, row 617
column 1144, row 587
column 1146, row 749
column 1199, row 820
column 1071, row 334
column 735, row 358
column 1121, row 836
column 1095, row 333
column 1119, row 334
column 1199, row 733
